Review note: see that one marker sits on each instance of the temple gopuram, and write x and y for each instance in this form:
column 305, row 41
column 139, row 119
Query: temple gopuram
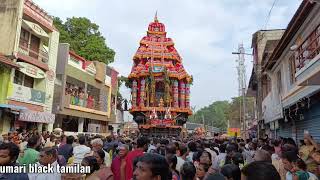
column 160, row 86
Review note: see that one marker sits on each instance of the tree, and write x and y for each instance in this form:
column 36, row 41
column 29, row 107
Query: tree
column 234, row 111
column 214, row 114
column 84, row 38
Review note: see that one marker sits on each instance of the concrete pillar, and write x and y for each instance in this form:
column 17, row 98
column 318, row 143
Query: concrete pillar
column 80, row 124
column 6, row 125
column 50, row 127
column 40, row 127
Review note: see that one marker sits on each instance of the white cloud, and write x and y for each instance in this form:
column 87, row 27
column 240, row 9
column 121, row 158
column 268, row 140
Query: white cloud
column 205, row 33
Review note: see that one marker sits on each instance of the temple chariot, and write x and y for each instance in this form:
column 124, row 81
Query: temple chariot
column 160, row 85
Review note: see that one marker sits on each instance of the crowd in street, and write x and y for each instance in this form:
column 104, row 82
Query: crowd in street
column 146, row 158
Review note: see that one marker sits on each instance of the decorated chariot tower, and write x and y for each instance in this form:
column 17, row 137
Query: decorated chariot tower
column 160, row 86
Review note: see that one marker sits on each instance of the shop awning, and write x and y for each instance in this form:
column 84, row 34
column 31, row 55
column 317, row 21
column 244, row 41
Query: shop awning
column 9, row 106
column 35, row 28
column 8, row 62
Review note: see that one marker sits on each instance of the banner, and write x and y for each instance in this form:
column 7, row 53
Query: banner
column 234, row 132
column 25, row 94
column 34, row 116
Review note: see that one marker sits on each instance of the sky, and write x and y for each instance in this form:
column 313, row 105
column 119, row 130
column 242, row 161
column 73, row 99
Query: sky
column 205, row 33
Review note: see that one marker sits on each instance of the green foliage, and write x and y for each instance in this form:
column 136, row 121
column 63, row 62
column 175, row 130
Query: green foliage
column 84, row 38
column 214, row 114
column 220, row 112
column 234, row 111
column 124, row 80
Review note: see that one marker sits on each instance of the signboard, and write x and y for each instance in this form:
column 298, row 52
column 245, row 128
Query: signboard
column 28, row 95
column 31, row 70
column 35, row 116
column 234, row 132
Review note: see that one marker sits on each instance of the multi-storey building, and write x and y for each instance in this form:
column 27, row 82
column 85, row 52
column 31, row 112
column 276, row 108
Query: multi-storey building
column 117, row 104
column 292, row 77
column 82, row 98
column 28, row 48
column 263, row 43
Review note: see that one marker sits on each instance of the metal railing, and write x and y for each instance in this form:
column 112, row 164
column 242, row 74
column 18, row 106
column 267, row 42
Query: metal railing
column 41, row 55
column 309, row 49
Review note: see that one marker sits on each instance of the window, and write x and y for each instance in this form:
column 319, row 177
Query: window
column 279, row 81
column 24, row 38
column 292, row 69
column 22, row 79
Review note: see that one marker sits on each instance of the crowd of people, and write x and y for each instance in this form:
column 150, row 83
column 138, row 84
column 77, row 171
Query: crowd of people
column 79, row 97
column 146, row 158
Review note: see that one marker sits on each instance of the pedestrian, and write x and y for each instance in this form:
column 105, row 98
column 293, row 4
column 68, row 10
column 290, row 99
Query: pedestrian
column 104, row 173
column 219, row 161
column 9, row 153
column 202, row 170
column 152, row 167
column 216, row 176
column 142, row 146
column 290, row 159
column 172, row 161
column 262, row 155
column 94, row 166
column 259, row 170
column 183, row 151
column 188, row 171
column 66, row 150
column 97, row 144
column 30, row 155
column 205, row 158
column 47, row 156
column 80, row 151
column 116, row 163
column 192, row 146
column 231, row 172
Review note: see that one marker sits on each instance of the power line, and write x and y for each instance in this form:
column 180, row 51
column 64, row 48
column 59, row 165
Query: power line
column 269, row 14
column 267, row 20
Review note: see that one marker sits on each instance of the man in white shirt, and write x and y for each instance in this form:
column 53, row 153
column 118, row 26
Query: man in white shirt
column 219, row 161
column 97, row 144
column 48, row 156
column 183, row 156
column 80, row 151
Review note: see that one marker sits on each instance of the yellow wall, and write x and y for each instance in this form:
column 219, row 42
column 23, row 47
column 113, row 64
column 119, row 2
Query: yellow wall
column 4, row 82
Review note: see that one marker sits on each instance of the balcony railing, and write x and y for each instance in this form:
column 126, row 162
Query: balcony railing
column 25, row 48
column 309, row 49
column 89, row 103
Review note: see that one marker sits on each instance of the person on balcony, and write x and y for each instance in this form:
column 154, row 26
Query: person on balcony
column 81, row 98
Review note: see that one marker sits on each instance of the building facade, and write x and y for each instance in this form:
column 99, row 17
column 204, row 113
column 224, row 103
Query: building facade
column 263, row 44
column 117, row 104
column 82, row 96
column 28, row 53
column 291, row 102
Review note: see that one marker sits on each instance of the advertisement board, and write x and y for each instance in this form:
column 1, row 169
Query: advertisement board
column 232, row 132
column 25, row 94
